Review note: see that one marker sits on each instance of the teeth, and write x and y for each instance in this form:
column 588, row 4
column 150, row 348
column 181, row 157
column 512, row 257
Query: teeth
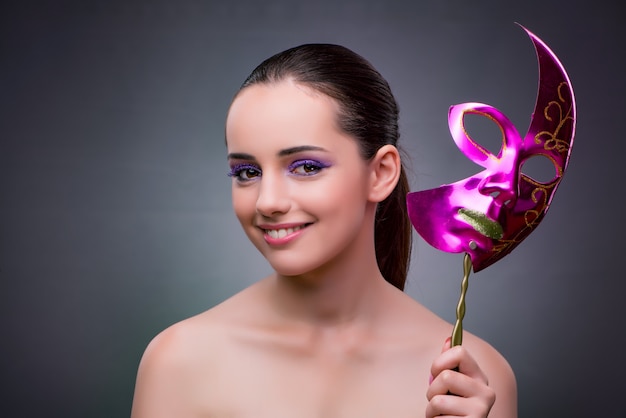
column 283, row 232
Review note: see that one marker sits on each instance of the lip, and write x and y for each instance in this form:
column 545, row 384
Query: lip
column 282, row 234
column 481, row 223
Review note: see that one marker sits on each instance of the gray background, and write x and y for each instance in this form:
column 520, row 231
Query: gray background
column 115, row 216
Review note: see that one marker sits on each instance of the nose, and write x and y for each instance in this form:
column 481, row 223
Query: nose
column 273, row 198
column 501, row 186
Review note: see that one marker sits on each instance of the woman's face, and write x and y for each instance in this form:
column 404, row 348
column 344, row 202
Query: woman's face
column 299, row 184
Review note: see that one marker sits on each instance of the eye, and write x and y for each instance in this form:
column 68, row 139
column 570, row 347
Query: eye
column 306, row 167
column 244, row 172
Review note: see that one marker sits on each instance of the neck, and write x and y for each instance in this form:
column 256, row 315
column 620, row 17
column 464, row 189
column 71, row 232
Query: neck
column 334, row 300
column 347, row 290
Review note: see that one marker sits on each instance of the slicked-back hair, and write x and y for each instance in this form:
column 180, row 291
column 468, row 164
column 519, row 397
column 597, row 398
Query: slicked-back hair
column 368, row 112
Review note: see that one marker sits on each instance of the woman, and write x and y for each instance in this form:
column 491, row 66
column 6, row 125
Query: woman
column 319, row 189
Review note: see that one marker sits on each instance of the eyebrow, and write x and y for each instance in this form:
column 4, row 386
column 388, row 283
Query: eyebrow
column 282, row 153
column 240, row 156
column 295, row 150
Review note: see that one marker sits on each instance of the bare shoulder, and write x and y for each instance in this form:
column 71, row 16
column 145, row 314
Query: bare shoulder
column 499, row 373
column 179, row 346
column 489, row 356
column 437, row 330
column 433, row 330
column 179, row 362
column 174, row 348
column 169, row 370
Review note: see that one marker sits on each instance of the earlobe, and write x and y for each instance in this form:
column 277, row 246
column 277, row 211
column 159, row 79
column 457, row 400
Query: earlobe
column 385, row 172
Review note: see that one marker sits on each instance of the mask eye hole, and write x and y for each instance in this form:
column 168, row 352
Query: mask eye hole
column 540, row 169
column 484, row 131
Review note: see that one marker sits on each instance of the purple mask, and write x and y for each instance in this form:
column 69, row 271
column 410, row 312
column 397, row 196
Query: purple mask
column 489, row 214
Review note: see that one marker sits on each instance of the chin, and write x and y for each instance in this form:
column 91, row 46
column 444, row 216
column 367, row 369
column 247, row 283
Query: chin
column 299, row 263
column 294, row 266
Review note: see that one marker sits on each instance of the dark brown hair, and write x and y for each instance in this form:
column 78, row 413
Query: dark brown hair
column 369, row 113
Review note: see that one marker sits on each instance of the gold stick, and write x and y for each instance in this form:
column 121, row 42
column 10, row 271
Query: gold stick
column 457, row 332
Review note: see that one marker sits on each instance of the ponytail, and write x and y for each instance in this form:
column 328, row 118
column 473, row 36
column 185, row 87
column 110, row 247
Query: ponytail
column 393, row 234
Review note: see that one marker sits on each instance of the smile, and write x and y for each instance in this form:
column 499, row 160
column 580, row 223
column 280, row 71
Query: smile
column 283, row 232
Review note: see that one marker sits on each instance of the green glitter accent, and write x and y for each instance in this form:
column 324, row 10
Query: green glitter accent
column 481, row 223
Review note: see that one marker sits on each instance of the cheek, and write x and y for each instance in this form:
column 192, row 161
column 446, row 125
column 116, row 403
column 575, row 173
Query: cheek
column 336, row 196
column 243, row 201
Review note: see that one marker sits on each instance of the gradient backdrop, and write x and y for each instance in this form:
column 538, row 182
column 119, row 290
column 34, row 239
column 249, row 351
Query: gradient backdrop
column 115, row 216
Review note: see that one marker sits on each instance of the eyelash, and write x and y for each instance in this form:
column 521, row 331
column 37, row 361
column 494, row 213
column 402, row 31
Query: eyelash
column 316, row 167
column 252, row 171
column 238, row 170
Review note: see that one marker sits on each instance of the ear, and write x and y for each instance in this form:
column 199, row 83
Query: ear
column 384, row 173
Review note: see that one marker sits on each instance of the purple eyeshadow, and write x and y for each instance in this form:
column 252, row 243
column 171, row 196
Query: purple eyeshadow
column 314, row 163
column 238, row 168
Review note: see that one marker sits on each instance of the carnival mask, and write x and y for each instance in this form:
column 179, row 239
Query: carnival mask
column 487, row 215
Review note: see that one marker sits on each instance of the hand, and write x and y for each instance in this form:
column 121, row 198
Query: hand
column 459, row 387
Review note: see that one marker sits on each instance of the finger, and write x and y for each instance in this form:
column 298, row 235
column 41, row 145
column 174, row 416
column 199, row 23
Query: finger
column 446, row 347
column 449, row 359
column 458, row 358
column 455, row 394
column 450, row 382
column 449, row 406
column 445, row 405
column 441, row 364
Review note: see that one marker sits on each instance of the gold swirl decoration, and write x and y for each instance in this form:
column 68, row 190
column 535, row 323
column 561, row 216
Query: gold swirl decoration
column 551, row 140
